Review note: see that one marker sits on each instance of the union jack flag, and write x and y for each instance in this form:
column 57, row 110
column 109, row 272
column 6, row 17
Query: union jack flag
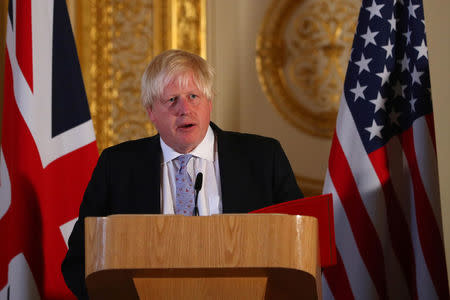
column 48, row 149
column 382, row 168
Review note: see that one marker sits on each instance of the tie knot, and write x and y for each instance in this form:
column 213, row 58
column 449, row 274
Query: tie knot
column 183, row 160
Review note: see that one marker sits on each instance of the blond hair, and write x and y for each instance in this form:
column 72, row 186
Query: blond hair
column 171, row 64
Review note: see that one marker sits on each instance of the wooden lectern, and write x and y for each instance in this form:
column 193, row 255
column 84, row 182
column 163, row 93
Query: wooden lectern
column 254, row 256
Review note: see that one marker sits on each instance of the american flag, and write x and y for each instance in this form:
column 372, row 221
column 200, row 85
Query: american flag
column 48, row 149
column 382, row 168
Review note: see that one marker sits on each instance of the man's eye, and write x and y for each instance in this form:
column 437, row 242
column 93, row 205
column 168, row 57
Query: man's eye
column 171, row 100
column 192, row 96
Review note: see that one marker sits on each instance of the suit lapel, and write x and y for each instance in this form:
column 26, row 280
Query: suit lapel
column 229, row 161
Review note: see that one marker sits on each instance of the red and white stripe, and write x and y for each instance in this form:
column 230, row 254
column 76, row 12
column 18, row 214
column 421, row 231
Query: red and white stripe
column 387, row 216
column 42, row 178
column 32, row 73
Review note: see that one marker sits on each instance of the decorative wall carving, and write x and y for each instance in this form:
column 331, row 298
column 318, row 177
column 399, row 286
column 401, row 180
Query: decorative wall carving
column 302, row 54
column 191, row 14
column 116, row 40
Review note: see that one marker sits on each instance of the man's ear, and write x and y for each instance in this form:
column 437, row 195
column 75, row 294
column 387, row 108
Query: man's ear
column 150, row 113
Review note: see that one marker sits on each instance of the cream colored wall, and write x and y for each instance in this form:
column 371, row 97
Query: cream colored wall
column 241, row 104
column 438, row 33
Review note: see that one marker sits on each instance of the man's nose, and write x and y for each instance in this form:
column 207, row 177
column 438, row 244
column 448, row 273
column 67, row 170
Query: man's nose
column 184, row 105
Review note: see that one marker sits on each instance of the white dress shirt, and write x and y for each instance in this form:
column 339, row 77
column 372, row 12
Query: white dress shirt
column 204, row 159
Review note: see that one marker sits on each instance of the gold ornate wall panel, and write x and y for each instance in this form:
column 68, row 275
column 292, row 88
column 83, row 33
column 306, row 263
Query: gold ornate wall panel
column 116, row 40
column 302, row 55
column 189, row 25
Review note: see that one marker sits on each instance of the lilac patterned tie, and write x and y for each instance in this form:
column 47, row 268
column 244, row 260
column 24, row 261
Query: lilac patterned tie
column 185, row 190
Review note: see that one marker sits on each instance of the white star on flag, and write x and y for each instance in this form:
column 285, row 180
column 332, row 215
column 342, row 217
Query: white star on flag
column 416, row 76
column 374, row 9
column 384, row 76
column 405, row 62
column 388, row 49
column 393, row 116
column 399, row 90
column 379, row 102
column 358, row 91
column 393, row 22
column 375, row 130
column 408, row 37
column 369, row 37
column 412, row 102
column 411, row 9
column 363, row 64
column 422, row 49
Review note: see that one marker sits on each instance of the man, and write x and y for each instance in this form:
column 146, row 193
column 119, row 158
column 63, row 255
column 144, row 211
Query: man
column 242, row 172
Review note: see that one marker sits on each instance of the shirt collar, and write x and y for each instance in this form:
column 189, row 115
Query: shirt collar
column 204, row 150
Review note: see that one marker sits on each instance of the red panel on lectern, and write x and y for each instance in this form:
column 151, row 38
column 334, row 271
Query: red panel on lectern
column 320, row 207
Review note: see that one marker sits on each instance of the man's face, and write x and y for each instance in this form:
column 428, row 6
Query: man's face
column 182, row 115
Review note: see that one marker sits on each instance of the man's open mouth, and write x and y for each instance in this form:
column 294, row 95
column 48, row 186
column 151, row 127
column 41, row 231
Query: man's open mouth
column 188, row 125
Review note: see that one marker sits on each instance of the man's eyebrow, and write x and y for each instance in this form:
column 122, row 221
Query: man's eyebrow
column 168, row 96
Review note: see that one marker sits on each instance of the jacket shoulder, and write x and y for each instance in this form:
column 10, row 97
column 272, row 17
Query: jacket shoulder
column 240, row 138
column 134, row 146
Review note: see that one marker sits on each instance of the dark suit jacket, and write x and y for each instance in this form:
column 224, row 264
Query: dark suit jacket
column 254, row 173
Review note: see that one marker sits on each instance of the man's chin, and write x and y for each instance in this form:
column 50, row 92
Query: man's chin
column 186, row 145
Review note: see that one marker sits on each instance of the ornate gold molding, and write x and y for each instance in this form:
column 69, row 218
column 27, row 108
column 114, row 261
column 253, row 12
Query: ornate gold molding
column 189, row 26
column 116, row 40
column 302, row 54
